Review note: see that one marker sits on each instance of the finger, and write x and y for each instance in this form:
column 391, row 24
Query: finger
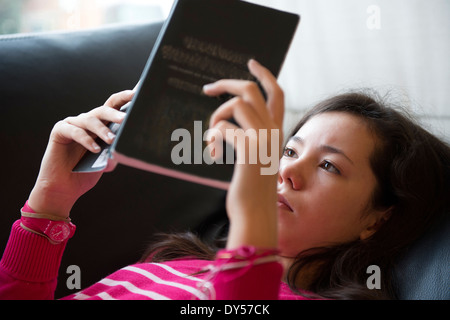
column 238, row 109
column 244, row 142
column 247, row 90
column 117, row 100
column 92, row 124
column 222, row 127
column 108, row 114
column 103, row 113
column 65, row 133
column 219, row 134
column 216, row 137
column 95, row 122
column 274, row 93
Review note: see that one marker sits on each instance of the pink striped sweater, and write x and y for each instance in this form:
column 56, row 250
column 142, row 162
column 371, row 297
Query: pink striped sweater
column 30, row 263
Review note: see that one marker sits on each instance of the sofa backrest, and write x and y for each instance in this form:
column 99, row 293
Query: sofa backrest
column 423, row 272
column 47, row 77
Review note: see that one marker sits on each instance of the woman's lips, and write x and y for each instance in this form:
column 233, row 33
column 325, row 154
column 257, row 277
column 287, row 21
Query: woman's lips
column 283, row 203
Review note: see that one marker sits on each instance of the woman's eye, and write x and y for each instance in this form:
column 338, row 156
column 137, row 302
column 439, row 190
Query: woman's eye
column 328, row 166
column 288, row 152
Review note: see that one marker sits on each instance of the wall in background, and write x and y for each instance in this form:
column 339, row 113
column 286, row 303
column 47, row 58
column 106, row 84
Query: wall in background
column 397, row 46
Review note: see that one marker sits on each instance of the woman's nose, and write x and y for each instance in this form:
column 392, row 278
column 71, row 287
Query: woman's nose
column 291, row 173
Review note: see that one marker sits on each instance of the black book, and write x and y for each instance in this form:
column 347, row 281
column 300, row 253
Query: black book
column 201, row 42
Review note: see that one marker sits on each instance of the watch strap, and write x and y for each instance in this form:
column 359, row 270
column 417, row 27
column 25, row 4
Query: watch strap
column 45, row 225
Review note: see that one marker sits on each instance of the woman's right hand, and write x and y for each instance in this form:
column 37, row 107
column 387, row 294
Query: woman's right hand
column 252, row 195
column 57, row 188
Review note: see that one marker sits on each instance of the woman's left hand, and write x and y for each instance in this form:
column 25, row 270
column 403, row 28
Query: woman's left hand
column 252, row 197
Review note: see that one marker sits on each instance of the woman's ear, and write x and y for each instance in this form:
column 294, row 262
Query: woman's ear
column 375, row 220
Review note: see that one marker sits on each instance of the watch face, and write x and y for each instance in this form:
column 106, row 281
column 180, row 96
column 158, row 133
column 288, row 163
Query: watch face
column 59, row 232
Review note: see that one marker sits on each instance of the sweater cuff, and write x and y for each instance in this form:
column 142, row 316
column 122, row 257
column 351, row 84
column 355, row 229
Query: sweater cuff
column 31, row 257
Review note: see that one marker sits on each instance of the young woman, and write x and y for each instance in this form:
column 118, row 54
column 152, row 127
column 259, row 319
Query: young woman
column 358, row 181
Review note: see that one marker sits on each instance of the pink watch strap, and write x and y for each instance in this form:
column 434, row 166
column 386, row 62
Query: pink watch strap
column 27, row 208
column 44, row 224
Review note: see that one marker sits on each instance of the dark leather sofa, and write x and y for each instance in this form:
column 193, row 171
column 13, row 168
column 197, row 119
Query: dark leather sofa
column 47, row 77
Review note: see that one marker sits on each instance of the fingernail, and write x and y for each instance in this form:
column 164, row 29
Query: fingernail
column 95, row 147
column 111, row 135
column 254, row 62
column 208, row 86
column 121, row 116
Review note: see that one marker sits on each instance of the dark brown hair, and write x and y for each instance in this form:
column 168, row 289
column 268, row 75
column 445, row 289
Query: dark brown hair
column 412, row 170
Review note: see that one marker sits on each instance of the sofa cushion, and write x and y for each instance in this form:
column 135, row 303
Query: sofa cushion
column 423, row 272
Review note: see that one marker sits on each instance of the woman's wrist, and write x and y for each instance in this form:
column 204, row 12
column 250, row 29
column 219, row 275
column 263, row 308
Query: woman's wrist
column 52, row 204
column 259, row 229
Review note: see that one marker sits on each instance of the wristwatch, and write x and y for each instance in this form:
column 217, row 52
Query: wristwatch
column 55, row 229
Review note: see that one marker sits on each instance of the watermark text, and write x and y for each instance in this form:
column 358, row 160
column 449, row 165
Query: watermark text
column 254, row 147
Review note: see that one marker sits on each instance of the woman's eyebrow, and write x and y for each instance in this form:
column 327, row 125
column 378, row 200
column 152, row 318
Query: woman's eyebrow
column 325, row 148
column 331, row 149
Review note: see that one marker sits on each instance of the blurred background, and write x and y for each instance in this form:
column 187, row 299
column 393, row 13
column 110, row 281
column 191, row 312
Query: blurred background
column 18, row 16
column 397, row 47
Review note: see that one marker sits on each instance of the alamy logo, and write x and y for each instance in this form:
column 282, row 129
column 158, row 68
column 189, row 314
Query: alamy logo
column 74, row 280
column 373, row 22
column 374, row 280
column 256, row 148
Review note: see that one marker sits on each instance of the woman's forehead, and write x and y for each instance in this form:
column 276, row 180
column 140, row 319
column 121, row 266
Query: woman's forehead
column 340, row 130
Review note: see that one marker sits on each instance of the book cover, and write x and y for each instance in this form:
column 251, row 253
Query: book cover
column 201, row 42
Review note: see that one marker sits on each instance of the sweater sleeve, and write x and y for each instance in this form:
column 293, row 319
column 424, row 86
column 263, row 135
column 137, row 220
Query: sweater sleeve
column 247, row 273
column 29, row 266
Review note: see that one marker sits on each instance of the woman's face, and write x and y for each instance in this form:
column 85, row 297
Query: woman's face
column 325, row 184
